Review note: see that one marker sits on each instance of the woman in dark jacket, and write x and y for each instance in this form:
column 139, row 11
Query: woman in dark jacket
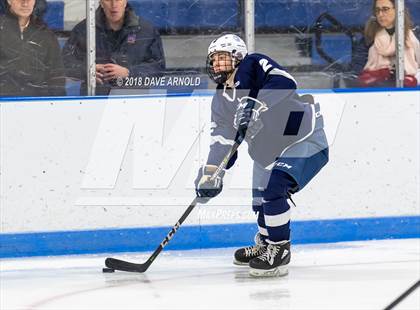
column 30, row 59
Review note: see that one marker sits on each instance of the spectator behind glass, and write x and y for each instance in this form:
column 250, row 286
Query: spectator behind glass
column 39, row 9
column 380, row 32
column 30, row 59
column 126, row 45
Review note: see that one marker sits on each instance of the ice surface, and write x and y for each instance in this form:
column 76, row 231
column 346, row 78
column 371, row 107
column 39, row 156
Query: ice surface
column 354, row 275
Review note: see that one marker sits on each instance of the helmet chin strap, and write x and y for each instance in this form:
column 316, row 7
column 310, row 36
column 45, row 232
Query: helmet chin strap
column 230, row 76
column 221, row 77
column 224, row 77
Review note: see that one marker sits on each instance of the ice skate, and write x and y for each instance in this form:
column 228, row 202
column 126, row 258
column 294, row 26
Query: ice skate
column 273, row 262
column 244, row 255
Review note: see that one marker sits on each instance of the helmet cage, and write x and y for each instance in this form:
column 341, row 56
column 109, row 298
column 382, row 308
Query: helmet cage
column 233, row 46
column 222, row 76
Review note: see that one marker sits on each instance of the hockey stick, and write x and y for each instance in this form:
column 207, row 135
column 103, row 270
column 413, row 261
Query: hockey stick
column 117, row 264
column 403, row 295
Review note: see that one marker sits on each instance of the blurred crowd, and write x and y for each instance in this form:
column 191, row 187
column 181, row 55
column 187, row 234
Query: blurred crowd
column 33, row 63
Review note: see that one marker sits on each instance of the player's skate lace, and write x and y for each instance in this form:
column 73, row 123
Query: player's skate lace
column 270, row 253
column 254, row 250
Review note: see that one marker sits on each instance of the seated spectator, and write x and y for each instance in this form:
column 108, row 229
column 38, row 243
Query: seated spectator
column 126, row 46
column 39, row 10
column 30, row 59
column 380, row 32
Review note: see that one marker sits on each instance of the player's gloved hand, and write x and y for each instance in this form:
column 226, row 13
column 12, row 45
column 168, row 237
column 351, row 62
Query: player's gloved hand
column 247, row 119
column 206, row 188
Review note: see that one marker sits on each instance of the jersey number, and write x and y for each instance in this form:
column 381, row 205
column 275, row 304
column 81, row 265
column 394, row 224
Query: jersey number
column 265, row 65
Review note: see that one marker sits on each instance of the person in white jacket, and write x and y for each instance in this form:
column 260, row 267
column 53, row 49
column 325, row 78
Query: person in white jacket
column 380, row 32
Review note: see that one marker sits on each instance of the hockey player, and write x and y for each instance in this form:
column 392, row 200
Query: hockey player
column 256, row 101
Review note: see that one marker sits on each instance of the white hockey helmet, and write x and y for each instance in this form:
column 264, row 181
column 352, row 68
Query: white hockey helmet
column 230, row 43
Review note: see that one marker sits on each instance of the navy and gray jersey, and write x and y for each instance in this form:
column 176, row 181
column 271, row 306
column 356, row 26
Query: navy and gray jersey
column 287, row 121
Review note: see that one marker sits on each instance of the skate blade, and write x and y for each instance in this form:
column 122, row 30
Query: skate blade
column 275, row 272
column 238, row 263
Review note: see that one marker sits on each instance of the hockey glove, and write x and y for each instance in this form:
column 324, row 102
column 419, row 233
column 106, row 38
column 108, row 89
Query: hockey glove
column 247, row 117
column 206, row 188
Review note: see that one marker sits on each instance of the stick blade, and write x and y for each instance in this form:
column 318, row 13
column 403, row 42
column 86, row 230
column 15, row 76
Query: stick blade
column 122, row 265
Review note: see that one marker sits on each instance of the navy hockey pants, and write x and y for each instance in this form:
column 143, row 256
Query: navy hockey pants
column 272, row 188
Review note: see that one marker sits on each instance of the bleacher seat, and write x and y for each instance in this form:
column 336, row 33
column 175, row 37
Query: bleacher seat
column 269, row 14
column 414, row 6
column 188, row 15
column 73, row 87
column 337, row 46
column 54, row 16
column 285, row 14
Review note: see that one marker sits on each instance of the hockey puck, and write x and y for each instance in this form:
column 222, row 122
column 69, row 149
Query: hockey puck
column 108, row 270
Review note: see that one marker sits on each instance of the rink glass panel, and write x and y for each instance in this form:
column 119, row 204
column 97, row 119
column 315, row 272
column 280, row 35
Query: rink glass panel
column 315, row 41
